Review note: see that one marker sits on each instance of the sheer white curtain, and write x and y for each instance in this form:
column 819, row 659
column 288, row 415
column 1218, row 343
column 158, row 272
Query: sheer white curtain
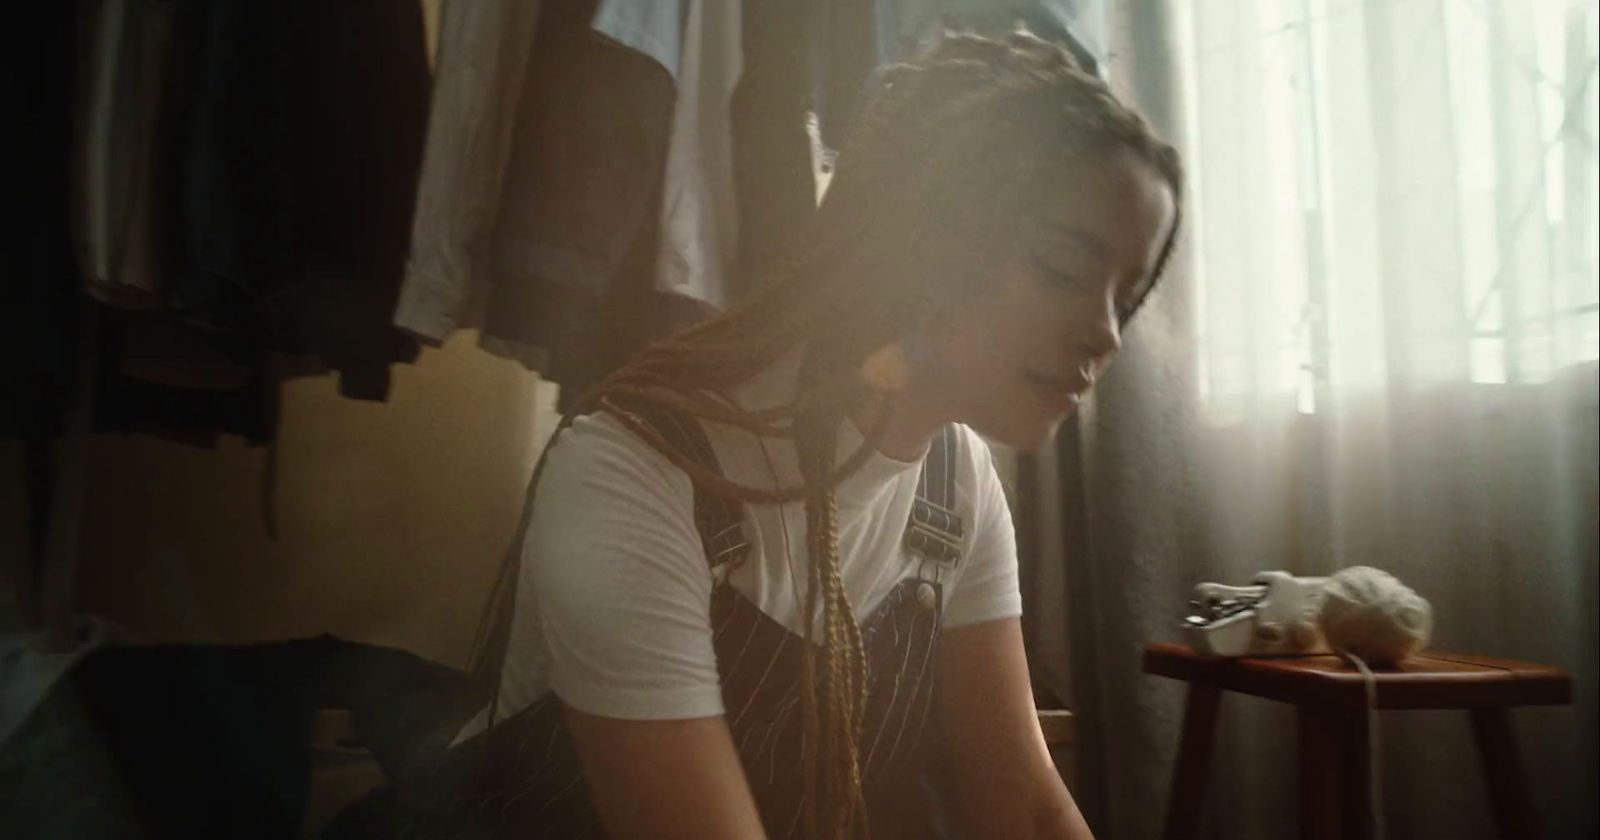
column 1395, row 281
column 1395, row 273
column 1395, row 325
column 1390, row 194
column 1377, row 347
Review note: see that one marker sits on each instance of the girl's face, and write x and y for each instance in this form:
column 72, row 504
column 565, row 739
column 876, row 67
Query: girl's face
column 1014, row 361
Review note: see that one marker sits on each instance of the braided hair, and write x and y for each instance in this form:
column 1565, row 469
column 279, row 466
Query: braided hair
column 926, row 188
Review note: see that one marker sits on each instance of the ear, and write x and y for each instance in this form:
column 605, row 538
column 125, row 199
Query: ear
column 888, row 369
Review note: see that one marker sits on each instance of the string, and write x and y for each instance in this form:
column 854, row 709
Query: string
column 1374, row 745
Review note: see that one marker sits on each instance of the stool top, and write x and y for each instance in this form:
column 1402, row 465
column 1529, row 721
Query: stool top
column 1430, row 680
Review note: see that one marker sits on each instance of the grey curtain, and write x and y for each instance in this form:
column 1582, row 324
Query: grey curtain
column 1482, row 498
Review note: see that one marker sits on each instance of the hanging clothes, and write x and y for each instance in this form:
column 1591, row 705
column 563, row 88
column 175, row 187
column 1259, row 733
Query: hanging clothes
column 39, row 75
column 772, row 165
column 807, row 69
column 41, row 322
column 244, row 178
column 157, row 375
column 480, row 68
column 739, row 188
column 578, row 192
column 907, row 27
column 844, row 53
column 554, row 157
column 295, row 133
column 699, row 221
column 118, row 191
column 541, row 191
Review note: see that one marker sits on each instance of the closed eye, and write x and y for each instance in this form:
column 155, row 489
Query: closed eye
column 1129, row 295
column 1132, row 297
column 1055, row 274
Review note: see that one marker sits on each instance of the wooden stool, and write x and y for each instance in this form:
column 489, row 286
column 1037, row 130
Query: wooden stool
column 1331, row 698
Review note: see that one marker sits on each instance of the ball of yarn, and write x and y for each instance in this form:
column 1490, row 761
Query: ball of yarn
column 1370, row 613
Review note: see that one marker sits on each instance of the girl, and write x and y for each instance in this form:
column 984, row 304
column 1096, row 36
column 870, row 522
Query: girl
column 768, row 587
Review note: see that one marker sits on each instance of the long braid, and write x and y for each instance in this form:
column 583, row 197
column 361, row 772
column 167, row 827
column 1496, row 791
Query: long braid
column 917, row 205
column 839, row 806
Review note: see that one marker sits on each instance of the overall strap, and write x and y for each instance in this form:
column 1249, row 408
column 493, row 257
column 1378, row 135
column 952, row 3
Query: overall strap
column 720, row 521
column 935, row 529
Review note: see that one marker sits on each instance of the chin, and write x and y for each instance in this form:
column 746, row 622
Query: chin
column 1022, row 433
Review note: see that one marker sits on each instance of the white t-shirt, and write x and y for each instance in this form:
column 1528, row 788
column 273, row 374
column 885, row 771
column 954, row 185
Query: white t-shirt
column 613, row 602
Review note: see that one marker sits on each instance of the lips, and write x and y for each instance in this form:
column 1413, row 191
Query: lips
column 1058, row 393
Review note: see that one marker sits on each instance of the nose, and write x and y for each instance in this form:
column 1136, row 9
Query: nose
column 1100, row 337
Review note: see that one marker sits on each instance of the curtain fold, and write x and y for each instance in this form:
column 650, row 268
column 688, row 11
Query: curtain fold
column 1376, row 346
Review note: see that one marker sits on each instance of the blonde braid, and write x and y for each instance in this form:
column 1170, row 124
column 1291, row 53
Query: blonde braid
column 839, row 804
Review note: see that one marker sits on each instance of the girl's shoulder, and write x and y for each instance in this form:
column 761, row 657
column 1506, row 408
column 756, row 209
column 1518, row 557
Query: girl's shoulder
column 597, row 456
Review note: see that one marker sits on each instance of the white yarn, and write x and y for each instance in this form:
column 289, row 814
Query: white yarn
column 1371, row 614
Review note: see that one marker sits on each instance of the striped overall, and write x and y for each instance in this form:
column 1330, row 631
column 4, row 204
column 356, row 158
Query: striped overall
column 521, row 778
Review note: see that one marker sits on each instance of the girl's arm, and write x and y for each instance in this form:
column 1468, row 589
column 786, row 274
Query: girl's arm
column 665, row 779
column 1004, row 782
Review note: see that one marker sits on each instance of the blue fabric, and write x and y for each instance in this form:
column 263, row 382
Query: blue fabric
column 907, row 25
column 653, row 27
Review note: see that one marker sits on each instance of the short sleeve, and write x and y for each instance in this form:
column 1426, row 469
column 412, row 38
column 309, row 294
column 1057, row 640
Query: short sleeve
column 985, row 587
column 621, row 581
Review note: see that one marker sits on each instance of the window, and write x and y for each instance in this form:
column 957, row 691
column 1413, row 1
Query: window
column 1391, row 194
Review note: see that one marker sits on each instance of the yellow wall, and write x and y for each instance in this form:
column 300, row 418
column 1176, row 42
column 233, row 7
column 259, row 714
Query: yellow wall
column 391, row 516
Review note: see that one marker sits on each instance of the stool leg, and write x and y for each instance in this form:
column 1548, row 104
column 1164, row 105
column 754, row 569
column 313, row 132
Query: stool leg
column 1502, row 772
column 1320, row 774
column 1355, row 748
column 1194, row 762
